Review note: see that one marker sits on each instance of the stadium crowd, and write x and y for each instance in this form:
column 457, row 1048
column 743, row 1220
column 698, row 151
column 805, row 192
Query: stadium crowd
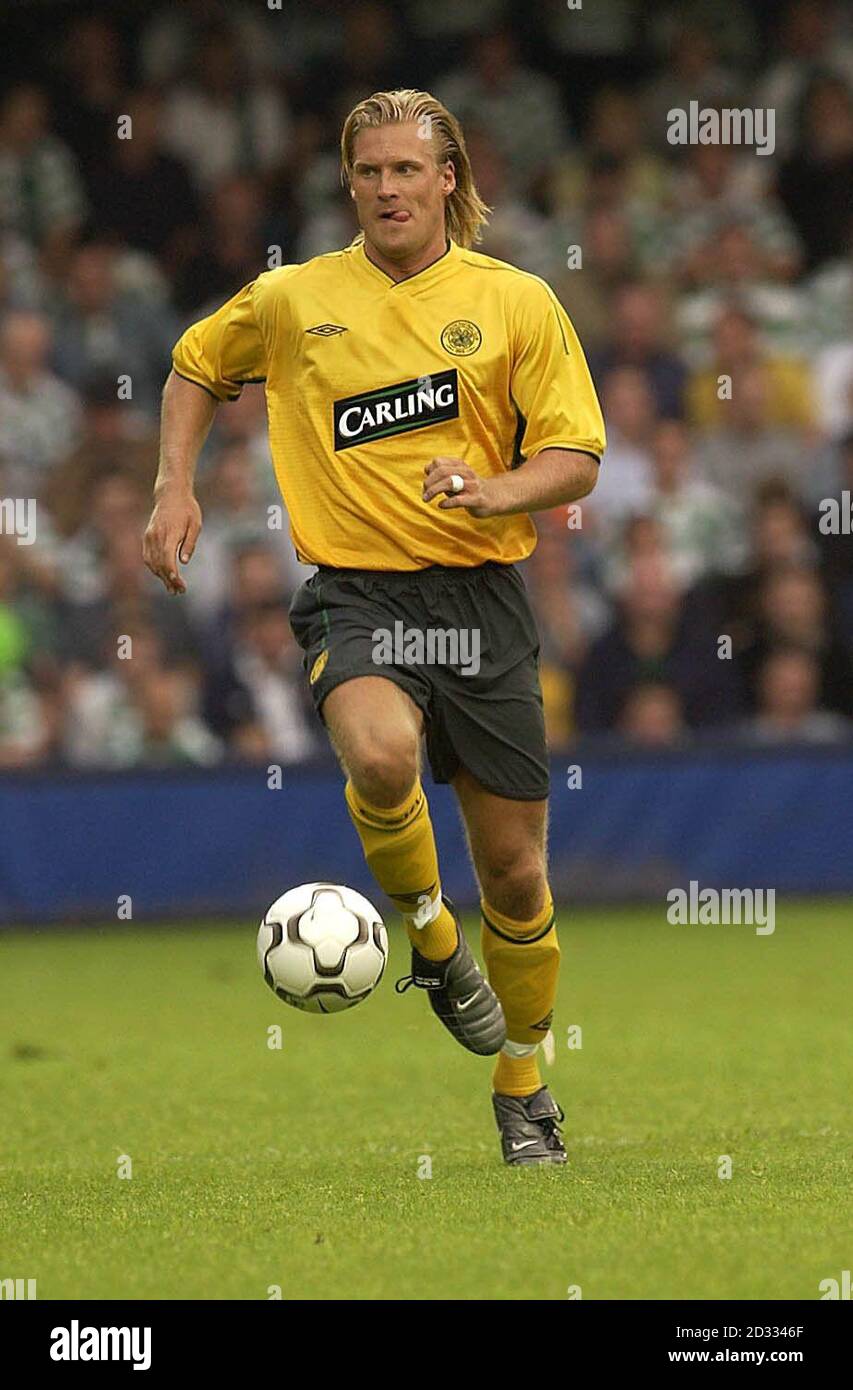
column 705, row 588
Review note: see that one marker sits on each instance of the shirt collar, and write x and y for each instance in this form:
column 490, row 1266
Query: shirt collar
column 445, row 263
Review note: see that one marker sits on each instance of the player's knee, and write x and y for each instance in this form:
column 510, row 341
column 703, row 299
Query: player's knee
column 384, row 767
column 515, row 883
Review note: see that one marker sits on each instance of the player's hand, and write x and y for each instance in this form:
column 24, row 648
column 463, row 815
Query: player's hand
column 477, row 494
column 171, row 534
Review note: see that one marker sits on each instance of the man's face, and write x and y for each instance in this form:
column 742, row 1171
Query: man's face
column 399, row 190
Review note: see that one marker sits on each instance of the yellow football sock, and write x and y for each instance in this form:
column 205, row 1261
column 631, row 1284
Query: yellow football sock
column 399, row 847
column 516, row 1076
column 523, row 962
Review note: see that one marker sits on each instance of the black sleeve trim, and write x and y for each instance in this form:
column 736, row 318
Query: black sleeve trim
column 206, row 389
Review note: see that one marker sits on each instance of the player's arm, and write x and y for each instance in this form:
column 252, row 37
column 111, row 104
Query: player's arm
column 211, row 363
column 550, row 479
column 563, row 434
column 186, row 418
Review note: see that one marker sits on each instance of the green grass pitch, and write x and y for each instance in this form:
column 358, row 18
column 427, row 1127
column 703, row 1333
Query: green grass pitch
column 299, row 1167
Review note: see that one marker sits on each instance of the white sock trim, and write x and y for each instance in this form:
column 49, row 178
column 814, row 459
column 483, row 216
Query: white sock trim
column 518, row 1050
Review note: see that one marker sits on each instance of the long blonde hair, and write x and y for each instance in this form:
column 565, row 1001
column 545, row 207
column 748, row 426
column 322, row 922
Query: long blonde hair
column 465, row 212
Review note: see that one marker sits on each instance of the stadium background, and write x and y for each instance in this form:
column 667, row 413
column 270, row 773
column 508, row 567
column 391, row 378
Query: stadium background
column 135, row 792
column 677, row 265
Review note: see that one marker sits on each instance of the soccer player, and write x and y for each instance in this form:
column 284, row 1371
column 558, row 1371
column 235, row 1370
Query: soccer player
column 422, row 400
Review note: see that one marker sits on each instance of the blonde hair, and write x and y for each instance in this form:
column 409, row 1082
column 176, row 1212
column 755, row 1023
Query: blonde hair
column 465, row 212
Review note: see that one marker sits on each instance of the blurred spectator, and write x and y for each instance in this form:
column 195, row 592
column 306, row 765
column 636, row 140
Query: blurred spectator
column 651, row 640
column 99, row 330
column 830, row 295
column 732, row 22
column 167, row 45
column 571, row 611
column 307, row 39
column 615, row 135
column 734, row 268
column 257, row 573
column 110, row 503
column 585, row 46
column 40, row 415
column 134, row 712
column 141, row 195
column 332, row 222
column 745, row 450
column 778, row 537
column 727, row 236
column 236, row 524
column 234, row 508
column 834, row 533
column 737, row 348
column 704, row 530
column 638, row 339
column 692, row 71
column 368, row 58
column 22, row 286
column 813, row 40
column 816, row 183
column 516, row 232
column 91, row 88
column 261, row 684
column 41, row 195
column 521, row 109
column 606, row 242
column 717, row 185
column 167, row 733
column 570, row 614
column 793, row 610
column 224, row 120
column 234, row 250
column 652, row 717
column 781, row 535
column 624, row 486
column 129, row 597
column 114, row 438
column 444, row 21
column 788, row 702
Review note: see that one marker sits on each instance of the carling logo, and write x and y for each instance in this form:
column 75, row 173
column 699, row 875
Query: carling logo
column 410, row 405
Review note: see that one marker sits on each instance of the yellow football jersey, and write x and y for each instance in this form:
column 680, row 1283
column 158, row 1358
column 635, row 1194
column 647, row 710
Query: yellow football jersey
column 368, row 379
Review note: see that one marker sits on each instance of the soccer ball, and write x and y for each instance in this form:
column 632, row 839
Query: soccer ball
column 322, row 947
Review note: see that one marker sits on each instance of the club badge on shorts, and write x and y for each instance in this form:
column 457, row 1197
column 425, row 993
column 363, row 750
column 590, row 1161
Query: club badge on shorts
column 319, row 667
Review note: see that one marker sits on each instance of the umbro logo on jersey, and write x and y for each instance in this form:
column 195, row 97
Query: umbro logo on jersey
column 410, row 405
column 327, row 330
